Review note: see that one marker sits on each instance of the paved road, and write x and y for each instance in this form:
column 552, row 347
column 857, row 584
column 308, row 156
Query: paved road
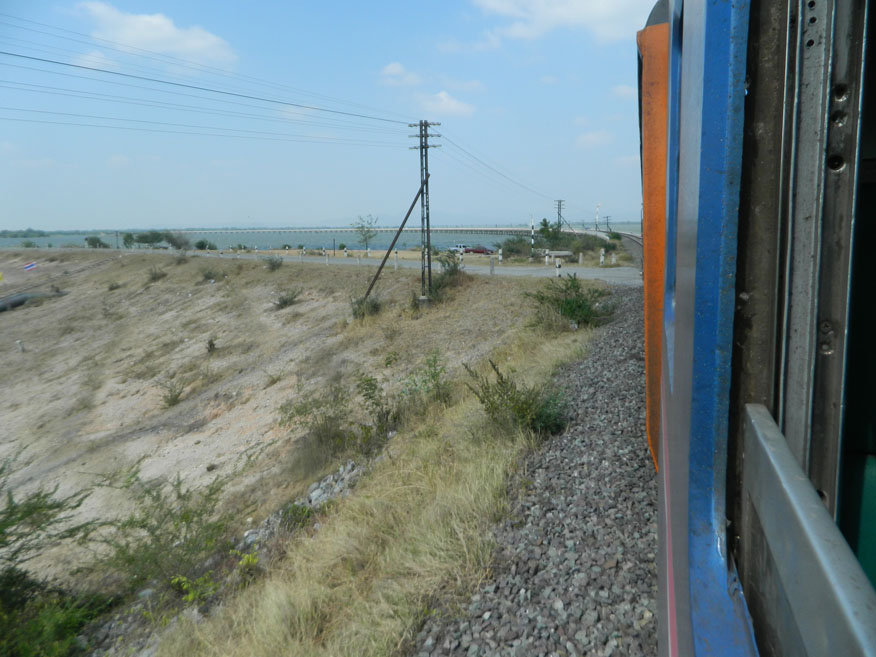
column 615, row 275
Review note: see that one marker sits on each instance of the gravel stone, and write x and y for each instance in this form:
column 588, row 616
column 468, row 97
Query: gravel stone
column 574, row 569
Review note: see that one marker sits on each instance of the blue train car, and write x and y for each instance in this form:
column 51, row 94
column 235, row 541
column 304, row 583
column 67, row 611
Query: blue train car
column 759, row 175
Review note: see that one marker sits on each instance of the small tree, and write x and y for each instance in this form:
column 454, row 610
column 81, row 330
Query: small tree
column 151, row 237
column 94, row 242
column 128, row 240
column 365, row 226
column 552, row 233
column 177, row 241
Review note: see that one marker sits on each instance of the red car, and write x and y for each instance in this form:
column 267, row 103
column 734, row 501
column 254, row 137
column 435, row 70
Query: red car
column 478, row 249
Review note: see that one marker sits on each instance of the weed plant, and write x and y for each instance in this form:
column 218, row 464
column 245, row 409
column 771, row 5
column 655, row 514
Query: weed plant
column 567, row 298
column 539, row 409
column 326, row 416
column 36, row 618
column 287, row 298
column 208, row 274
column 364, row 306
column 180, row 259
column 451, row 276
column 614, row 235
column 294, row 516
column 428, row 382
column 156, row 274
column 383, row 415
column 114, row 285
column 171, row 533
column 273, row 263
column 173, row 391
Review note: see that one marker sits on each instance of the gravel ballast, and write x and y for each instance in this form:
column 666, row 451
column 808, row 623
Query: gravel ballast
column 574, row 570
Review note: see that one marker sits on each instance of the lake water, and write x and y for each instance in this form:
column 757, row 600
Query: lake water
column 277, row 238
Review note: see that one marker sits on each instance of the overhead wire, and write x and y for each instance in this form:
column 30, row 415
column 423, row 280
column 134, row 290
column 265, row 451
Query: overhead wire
column 145, row 102
column 201, row 88
column 177, row 61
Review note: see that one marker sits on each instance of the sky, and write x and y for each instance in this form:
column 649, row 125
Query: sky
column 294, row 114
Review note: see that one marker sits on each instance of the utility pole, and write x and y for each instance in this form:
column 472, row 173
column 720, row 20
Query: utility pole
column 559, row 203
column 425, row 228
column 607, row 225
column 597, row 215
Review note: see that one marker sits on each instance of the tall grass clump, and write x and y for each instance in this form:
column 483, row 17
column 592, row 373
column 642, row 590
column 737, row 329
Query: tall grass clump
column 325, row 415
column 273, row 263
column 286, row 299
column 428, row 382
column 171, row 532
column 364, row 306
column 565, row 298
column 540, row 409
column 156, row 274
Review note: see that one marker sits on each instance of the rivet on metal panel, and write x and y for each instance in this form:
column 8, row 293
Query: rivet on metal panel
column 836, row 162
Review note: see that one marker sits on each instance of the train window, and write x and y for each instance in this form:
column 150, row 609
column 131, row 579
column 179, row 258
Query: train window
column 857, row 502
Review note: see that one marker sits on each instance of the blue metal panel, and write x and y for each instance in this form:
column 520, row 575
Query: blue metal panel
column 706, row 114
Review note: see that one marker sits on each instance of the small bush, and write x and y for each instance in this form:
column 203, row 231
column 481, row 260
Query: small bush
column 211, row 345
column 515, row 246
column 286, row 299
column 180, row 259
column 204, row 245
column 273, row 263
column 208, row 274
column 172, row 531
column 294, row 516
column 114, row 285
column 326, row 416
column 614, row 235
column 173, row 391
column 365, row 306
column 452, row 275
column 156, row 274
column 566, row 298
column 383, row 416
column 428, row 381
column 342, row 246
column 542, row 410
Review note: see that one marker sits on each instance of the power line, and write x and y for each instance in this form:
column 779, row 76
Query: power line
column 200, row 88
column 145, row 102
column 304, row 140
column 177, row 61
column 492, row 168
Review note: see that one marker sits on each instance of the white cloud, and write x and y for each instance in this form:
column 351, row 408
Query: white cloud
column 396, row 75
column 607, row 20
column 624, row 91
column 118, row 160
column 581, row 121
column 444, row 104
column 95, row 59
column 158, row 33
column 594, row 138
column 549, row 79
column 7, row 147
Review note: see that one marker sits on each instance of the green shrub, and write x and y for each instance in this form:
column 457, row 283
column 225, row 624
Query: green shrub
column 180, row 259
column 614, row 235
column 542, row 410
column 36, row 619
column 342, row 246
column 566, row 298
column 365, row 306
column 515, row 246
column 451, row 275
column 273, row 263
column 173, row 391
column 428, row 381
column 208, row 274
column 204, row 245
column 172, row 531
column 156, row 274
column 326, row 417
column 286, row 299
column 114, row 285
column 383, row 416
column 294, row 516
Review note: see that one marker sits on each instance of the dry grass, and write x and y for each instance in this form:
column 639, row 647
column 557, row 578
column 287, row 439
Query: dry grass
column 415, row 526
